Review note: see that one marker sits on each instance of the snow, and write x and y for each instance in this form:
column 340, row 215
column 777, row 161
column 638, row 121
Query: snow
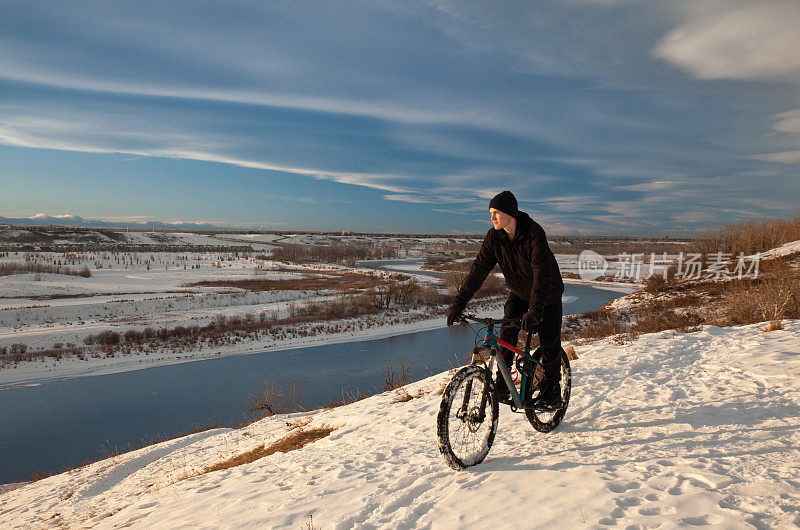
column 671, row 429
column 784, row 250
column 126, row 294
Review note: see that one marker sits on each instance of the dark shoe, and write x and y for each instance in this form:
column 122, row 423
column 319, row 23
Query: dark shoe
column 550, row 398
column 501, row 392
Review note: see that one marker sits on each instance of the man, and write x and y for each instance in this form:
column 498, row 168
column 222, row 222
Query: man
column 518, row 244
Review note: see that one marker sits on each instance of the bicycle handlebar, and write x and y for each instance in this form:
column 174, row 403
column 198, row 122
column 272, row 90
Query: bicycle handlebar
column 466, row 317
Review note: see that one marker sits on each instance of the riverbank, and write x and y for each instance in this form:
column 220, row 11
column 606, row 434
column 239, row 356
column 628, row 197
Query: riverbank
column 190, row 308
column 40, row 371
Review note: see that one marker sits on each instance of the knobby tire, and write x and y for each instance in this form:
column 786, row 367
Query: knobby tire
column 465, row 441
column 546, row 421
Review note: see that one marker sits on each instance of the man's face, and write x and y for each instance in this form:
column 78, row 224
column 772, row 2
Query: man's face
column 500, row 220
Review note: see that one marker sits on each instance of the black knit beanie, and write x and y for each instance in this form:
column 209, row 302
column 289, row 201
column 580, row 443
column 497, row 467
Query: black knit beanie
column 505, row 202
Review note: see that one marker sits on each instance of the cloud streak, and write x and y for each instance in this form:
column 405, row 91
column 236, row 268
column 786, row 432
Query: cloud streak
column 752, row 41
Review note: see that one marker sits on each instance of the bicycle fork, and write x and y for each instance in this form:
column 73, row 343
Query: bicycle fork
column 463, row 412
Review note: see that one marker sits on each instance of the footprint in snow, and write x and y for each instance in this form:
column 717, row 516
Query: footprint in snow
column 702, row 520
column 627, row 502
column 658, row 510
column 621, row 487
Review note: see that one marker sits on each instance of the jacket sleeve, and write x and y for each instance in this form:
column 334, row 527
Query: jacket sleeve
column 481, row 267
column 541, row 270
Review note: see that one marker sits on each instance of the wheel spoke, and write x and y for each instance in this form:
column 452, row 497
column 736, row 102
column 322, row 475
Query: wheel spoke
column 547, row 420
column 464, row 438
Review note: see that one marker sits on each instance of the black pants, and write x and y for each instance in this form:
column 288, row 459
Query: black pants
column 549, row 333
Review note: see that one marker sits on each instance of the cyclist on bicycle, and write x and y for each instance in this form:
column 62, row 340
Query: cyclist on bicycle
column 518, row 245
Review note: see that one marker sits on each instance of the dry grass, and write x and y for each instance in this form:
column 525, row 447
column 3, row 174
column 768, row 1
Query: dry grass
column 347, row 398
column 775, row 325
column 310, row 524
column 39, row 475
column 572, row 353
column 299, row 423
column 404, row 395
column 297, row 439
column 686, row 305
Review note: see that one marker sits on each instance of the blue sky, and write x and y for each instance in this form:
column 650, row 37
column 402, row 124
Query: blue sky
column 604, row 117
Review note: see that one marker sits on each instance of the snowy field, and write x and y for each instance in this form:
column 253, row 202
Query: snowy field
column 669, row 430
column 18, row 238
column 135, row 291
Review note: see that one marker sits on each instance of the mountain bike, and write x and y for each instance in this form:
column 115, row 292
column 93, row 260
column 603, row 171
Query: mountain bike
column 467, row 419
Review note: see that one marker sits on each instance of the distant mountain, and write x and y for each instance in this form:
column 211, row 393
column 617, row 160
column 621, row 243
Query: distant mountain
column 41, row 219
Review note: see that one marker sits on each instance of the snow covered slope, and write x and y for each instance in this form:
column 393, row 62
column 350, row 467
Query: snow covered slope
column 784, row 250
column 670, row 429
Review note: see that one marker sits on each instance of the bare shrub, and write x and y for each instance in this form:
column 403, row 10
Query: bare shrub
column 657, row 283
column 9, row 268
column 108, row 338
column 393, row 379
column 455, row 277
column 594, row 325
column 348, row 254
column 655, row 317
column 750, row 236
column 133, row 336
column 39, row 475
column 18, row 349
column 276, row 399
column 770, row 297
column 340, row 281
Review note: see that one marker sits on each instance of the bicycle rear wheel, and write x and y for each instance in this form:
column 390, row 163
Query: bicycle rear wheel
column 464, row 430
column 547, row 420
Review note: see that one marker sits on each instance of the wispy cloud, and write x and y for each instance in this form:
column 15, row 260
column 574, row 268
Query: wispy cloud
column 784, row 157
column 658, row 185
column 757, row 40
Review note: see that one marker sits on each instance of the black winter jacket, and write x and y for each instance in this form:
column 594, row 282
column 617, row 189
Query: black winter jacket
column 528, row 264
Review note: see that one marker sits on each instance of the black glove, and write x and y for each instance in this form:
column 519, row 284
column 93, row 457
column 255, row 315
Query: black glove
column 531, row 319
column 454, row 312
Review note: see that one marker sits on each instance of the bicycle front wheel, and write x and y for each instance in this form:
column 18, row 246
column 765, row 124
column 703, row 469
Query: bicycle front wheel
column 465, row 429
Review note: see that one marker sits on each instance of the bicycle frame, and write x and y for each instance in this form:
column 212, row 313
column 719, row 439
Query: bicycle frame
column 493, row 342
